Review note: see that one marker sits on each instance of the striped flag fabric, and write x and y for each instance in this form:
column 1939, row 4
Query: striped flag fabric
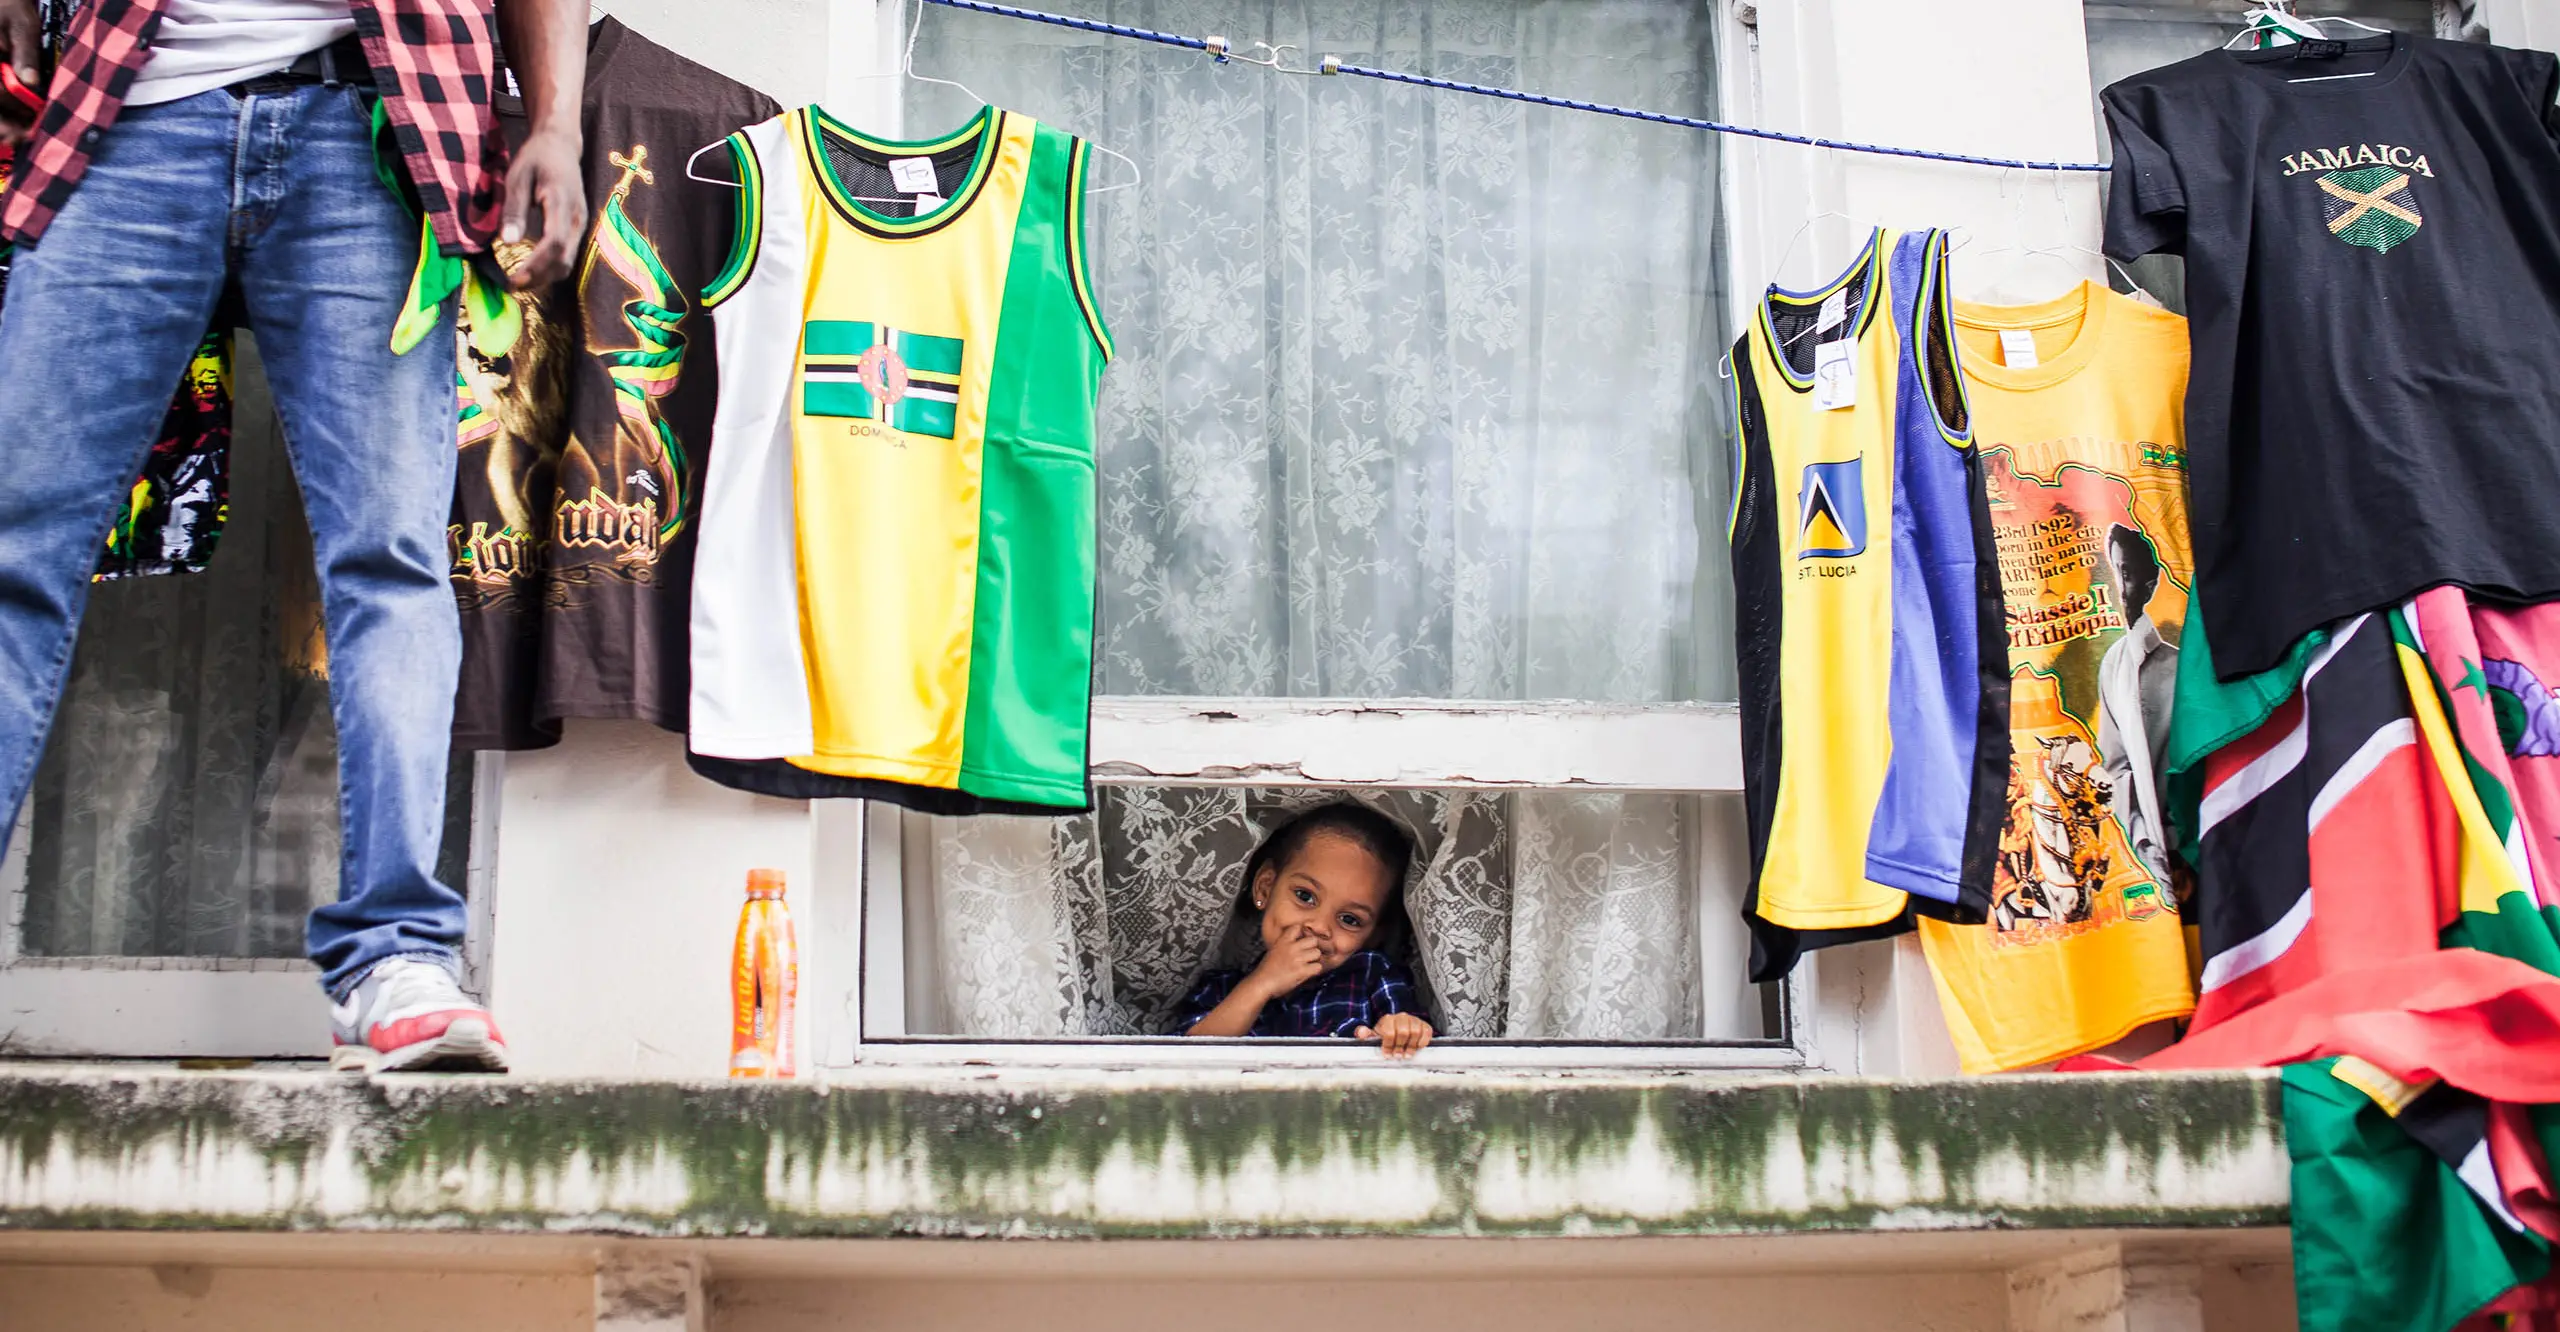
column 2371, row 825
column 2313, row 829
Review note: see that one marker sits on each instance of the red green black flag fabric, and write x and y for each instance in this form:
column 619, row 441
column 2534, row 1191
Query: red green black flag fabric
column 2371, row 823
column 2387, row 1236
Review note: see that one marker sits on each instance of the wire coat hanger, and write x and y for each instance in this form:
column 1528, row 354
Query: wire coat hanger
column 2056, row 251
column 1778, row 269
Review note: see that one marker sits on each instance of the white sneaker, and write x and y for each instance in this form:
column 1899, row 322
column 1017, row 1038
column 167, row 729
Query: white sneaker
column 408, row 1015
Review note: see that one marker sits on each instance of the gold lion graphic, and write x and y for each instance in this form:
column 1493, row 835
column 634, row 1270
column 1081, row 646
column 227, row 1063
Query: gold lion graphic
column 526, row 393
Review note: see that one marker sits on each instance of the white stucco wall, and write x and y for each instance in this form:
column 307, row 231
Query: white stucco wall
column 619, row 872
column 1292, row 1290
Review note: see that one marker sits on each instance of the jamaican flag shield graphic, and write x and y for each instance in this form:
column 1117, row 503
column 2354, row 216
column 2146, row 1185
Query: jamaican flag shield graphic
column 2374, row 207
column 909, row 381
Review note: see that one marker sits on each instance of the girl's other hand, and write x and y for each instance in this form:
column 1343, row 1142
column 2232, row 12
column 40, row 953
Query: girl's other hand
column 1399, row 1035
column 1287, row 965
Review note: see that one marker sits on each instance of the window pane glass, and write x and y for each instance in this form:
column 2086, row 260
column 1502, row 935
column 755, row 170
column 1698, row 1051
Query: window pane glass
column 1416, row 392
column 187, row 804
column 1535, row 915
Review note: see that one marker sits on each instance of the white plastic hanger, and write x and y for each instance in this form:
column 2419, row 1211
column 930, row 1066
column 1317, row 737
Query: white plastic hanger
column 2275, row 24
column 2272, row 25
column 907, row 69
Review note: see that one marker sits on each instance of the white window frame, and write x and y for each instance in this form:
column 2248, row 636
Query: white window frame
column 195, row 1007
column 1683, row 749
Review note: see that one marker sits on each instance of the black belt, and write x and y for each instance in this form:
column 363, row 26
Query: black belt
column 341, row 61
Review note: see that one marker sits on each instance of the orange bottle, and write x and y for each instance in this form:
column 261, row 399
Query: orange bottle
column 764, row 983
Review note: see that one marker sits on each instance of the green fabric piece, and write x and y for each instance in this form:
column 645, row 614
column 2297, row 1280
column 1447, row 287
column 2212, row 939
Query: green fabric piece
column 2208, row 712
column 492, row 321
column 388, row 165
column 434, row 281
column 2386, row 1238
column 1029, row 698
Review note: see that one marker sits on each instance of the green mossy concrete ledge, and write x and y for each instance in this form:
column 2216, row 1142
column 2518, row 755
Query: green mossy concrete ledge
column 1136, row 1155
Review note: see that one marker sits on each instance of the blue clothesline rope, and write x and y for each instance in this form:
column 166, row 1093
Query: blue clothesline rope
column 1334, row 65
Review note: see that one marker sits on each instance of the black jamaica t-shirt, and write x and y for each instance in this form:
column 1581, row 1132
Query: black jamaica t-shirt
column 2373, row 278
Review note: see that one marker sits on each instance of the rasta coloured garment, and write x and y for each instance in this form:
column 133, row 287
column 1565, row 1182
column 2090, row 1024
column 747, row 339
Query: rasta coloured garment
column 576, row 494
column 895, row 586
column 172, row 517
column 2076, row 409
column 2373, row 274
column 1875, row 683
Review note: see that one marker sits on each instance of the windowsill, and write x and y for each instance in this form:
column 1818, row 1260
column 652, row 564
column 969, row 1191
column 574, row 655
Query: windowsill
column 1165, row 1153
column 1213, row 1054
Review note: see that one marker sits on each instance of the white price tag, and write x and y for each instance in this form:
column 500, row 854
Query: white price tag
column 912, row 175
column 926, row 203
column 2018, row 349
column 1835, row 376
column 1835, row 311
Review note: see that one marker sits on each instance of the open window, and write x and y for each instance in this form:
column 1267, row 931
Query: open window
column 183, row 820
column 1414, row 468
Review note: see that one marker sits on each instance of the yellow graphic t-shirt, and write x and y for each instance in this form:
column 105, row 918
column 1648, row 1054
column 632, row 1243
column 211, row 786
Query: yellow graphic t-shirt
column 2078, row 404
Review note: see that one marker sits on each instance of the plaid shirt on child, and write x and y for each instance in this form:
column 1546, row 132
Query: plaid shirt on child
column 1367, row 986
column 431, row 59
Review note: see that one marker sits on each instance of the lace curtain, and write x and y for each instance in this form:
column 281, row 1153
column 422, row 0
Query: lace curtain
column 1415, row 397
column 1416, row 391
column 187, row 803
column 1536, row 916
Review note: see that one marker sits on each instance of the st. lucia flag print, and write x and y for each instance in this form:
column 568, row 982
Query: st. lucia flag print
column 1831, row 511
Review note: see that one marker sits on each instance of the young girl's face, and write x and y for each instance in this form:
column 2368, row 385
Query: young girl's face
column 1331, row 891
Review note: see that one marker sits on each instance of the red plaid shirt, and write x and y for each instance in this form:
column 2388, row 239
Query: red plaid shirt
column 431, row 59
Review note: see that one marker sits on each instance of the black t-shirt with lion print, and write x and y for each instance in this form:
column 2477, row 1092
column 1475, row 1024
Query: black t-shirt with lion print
column 582, row 449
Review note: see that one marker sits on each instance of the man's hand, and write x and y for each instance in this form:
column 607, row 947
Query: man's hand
column 1399, row 1035
column 544, row 176
column 25, row 53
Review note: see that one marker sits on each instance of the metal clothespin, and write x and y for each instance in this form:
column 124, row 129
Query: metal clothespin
column 1270, row 57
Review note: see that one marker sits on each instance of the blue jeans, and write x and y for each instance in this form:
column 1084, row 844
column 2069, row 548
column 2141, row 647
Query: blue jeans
column 278, row 193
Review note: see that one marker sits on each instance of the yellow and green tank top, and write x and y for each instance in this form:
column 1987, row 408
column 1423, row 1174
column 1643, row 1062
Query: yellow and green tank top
column 895, row 582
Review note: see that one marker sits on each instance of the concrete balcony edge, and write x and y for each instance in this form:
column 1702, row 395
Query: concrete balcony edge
column 1139, row 1155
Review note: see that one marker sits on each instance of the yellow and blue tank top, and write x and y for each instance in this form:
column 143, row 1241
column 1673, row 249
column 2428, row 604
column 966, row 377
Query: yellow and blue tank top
column 1874, row 685
column 895, row 583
